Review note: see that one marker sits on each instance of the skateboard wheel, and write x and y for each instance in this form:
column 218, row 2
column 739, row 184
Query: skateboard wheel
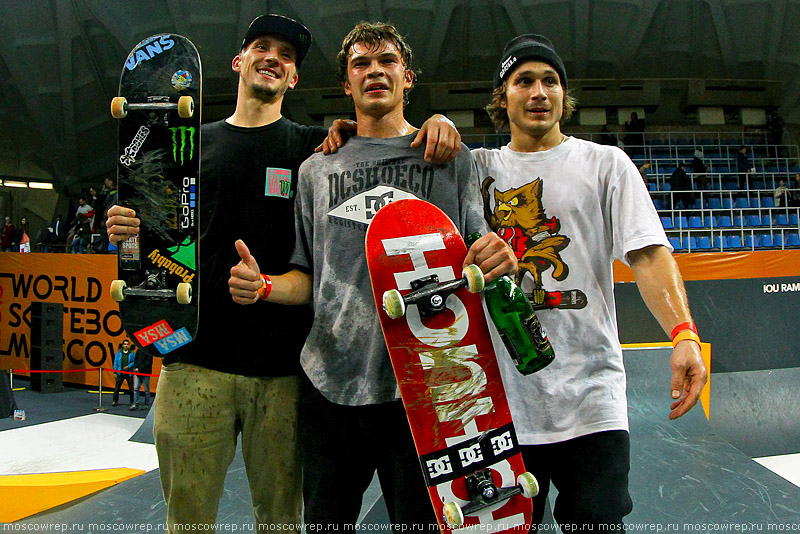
column 118, row 290
column 184, row 293
column 118, row 105
column 453, row 515
column 393, row 304
column 474, row 277
column 186, row 107
column 529, row 485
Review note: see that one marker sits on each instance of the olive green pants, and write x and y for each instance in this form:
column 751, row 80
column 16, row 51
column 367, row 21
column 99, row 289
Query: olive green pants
column 199, row 414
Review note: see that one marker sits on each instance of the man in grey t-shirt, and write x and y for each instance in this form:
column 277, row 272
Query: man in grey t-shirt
column 352, row 422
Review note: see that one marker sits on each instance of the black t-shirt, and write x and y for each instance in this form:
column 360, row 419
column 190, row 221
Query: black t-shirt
column 248, row 182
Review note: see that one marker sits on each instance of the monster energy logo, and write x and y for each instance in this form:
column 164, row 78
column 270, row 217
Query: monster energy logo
column 182, row 131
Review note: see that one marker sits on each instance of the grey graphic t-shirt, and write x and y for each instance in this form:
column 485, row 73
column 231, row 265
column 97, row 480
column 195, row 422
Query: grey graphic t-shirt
column 345, row 354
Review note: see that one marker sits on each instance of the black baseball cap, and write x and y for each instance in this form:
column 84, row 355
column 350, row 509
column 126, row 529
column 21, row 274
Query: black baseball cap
column 289, row 29
column 528, row 46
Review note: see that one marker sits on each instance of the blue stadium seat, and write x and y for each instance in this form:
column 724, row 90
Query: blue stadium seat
column 704, row 242
column 758, row 184
column 695, row 222
column 754, row 203
column 718, row 241
column 711, row 222
column 715, row 203
column 766, row 220
column 767, row 202
column 749, row 243
column 726, row 203
column 666, row 187
column 652, row 187
column 793, row 219
column 683, row 222
column 765, row 240
column 753, row 220
column 692, row 243
column 658, row 203
column 730, row 186
column 742, row 202
column 666, row 222
column 777, row 240
column 734, row 241
column 793, row 240
column 738, row 221
column 725, row 221
column 676, row 243
column 782, row 219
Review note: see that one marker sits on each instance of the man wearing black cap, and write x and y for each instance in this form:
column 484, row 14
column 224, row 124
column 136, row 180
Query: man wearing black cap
column 568, row 207
column 240, row 376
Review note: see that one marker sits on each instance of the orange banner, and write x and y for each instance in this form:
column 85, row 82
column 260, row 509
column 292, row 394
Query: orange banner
column 728, row 265
column 92, row 327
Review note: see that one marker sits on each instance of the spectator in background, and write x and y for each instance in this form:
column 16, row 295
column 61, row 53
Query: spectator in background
column 794, row 194
column 775, row 128
column 59, row 233
column 123, row 361
column 608, row 138
column 743, row 166
column 108, row 198
column 142, row 363
column 23, row 236
column 635, row 128
column 44, row 239
column 643, row 171
column 699, row 170
column 93, row 200
column 679, row 181
column 781, row 194
column 9, row 236
column 84, row 216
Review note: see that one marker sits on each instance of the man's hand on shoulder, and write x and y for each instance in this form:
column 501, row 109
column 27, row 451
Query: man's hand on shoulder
column 338, row 133
column 442, row 140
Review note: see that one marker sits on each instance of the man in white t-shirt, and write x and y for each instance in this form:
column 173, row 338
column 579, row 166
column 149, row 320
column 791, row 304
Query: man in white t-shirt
column 568, row 208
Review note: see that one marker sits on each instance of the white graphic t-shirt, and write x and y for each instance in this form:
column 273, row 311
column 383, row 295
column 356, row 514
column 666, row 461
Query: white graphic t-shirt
column 568, row 212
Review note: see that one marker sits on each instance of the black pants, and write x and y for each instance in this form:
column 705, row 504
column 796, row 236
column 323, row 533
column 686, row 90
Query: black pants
column 120, row 379
column 343, row 446
column 591, row 476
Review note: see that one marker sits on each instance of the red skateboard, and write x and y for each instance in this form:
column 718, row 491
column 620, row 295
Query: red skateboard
column 439, row 343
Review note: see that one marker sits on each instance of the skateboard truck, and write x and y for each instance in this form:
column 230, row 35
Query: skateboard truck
column 185, row 106
column 153, row 286
column 429, row 294
column 484, row 493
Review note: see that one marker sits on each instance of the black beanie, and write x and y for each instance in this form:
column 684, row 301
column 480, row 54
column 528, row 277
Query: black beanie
column 529, row 46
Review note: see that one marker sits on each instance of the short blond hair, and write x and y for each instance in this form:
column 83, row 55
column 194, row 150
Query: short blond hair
column 499, row 115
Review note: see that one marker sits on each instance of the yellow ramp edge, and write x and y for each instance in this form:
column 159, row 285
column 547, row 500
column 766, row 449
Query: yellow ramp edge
column 25, row 495
column 705, row 350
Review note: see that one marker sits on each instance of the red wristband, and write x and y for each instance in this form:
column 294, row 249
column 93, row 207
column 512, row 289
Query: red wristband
column 266, row 287
column 681, row 327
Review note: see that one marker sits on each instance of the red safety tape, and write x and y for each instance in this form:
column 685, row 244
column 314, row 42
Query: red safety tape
column 79, row 371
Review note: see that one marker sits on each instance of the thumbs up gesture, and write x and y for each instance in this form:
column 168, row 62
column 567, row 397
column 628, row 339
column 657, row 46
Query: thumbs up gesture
column 245, row 279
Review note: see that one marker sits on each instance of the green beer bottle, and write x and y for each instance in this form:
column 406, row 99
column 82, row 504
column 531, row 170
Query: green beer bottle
column 517, row 323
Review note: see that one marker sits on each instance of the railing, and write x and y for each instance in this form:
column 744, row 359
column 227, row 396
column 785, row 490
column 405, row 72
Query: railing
column 754, row 226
